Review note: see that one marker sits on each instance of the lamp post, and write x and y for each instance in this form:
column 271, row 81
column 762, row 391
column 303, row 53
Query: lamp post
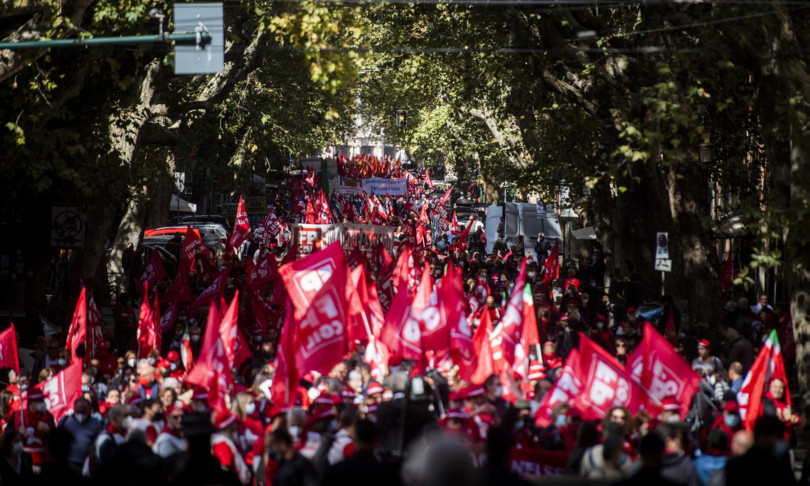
column 567, row 214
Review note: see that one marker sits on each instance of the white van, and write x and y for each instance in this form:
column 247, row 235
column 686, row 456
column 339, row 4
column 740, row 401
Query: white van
column 522, row 219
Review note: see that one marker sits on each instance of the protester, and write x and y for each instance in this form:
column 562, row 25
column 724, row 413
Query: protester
column 84, row 429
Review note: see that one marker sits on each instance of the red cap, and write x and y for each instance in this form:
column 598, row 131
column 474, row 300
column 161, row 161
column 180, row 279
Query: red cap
column 276, row 411
column 669, row 403
column 327, row 399
column 630, row 310
column 347, row 393
column 731, row 406
column 173, row 355
column 601, row 318
column 373, row 388
column 177, row 405
column 457, row 395
column 223, row 419
column 322, row 412
column 475, row 391
column 704, row 344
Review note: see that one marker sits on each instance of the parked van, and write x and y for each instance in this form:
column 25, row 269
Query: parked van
column 521, row 220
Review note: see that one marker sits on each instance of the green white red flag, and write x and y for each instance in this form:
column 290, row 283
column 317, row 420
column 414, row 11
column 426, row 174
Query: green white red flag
column 766, row 367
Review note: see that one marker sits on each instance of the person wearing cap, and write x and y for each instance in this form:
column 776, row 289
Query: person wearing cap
column 729, row 422
column 670, row 410
column 170, row 440
column 34, row 423
column 176, row 369
column 224, row 448
column 705, row 364
column 320, row 423
column 374, row 392
column 151, row 419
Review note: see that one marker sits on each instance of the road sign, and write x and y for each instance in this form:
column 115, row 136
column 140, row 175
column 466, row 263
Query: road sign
column 661, row 246
column 663, row 265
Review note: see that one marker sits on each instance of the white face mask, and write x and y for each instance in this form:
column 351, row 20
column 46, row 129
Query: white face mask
column 173, row 367
column 62, row 362
column 41, row 407
column 195, row 338
column 250, row 408
column 131, row 362
column 294, row 430
column 127, row 423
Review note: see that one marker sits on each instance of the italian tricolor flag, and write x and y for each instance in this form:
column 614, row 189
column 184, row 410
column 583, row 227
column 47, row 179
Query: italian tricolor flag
column 185, row 350
column 767, row 366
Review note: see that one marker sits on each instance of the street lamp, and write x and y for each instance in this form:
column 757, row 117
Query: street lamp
column 706, row 153
column 567, row 214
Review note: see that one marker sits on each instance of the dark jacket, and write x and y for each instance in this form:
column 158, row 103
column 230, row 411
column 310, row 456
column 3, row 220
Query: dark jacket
column 759, row 466
column 743, row 351
column 363, row 468
column 84, row 437
column 297, row 471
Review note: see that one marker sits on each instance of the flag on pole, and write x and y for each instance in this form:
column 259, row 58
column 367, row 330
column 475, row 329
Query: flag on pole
column 766, row 367
column 8, row 349
column 241, row 228
column 552, row 265
column 78, row 326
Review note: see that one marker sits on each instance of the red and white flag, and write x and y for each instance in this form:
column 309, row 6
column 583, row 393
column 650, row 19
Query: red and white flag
column 426, row 179
column 147, row 337
column 768, row 366
column 95, row 333
column 241, row 228
column 211, row 294
column 192, row 244
column 62, row 390
column 321, row 334
column 606, row 383
column 565, row 390
column 234, row 344
column 8, row 349
column 212, row 370
column 661, row 370
column 552, row 265
column 446, row 196
column 506, row 336
column 78, row 326
column 402, row 333
column 485, row 365
column 304, row 278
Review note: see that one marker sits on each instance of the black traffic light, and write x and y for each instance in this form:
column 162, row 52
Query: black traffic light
column 402, row 118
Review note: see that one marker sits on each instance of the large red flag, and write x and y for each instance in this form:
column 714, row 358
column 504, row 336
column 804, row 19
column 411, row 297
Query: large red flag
column 304, row 278
column 462, row 350
column 427, row 179
column 8, row 349
column 310, row 217
column 62, row 389
column 464, row 235
column 260, row 275
column 241, row 228
column 191, row 244
column 485, row 365
column 606, row 384
column 552, row 265
column 506, row 336
column 727, row 276
column 212, row 370
column 565, row 390
column 78, row 326
column 321, row 337
column 234, row 344
column 284, row 388
column 147, row 338
column 529, row 339
column 401, row 332
column 766, row 367
column 663, row 371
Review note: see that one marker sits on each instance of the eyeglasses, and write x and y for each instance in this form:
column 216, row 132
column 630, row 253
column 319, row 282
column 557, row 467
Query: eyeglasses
column 175, row 416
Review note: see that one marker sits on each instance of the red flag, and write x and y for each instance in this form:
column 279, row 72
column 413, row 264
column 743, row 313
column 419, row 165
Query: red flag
column 506, row 335
column 462, row 350
column 377, row 356
column 607, row 384
column 727, row 276
column 427, row 180
column 310, row 217
column 270, row 228
column 552, row 265
column 464, row 235
column 78, row 326
column 191, row 244
column 156, row 323
column 485, row 365
column 260, row 275
column 211, row 294
column 168, row 319
column 768, row 366
column 663, row 371
column 401, row 332
column 375, row 310
column 454, row 224
column 321, row 337
column 284, row 388
column 154, row 271
column 95, row 334
column 241, row 228
column 529, row 339
column 323, row 214
column 565, row 390
column 180, row 289
column 62, row 390
column 304, row 278
column 212, row 370
column 433, row 319
column 446, row 196
column 670, row 327
column 147, row 339
column 234, row 344
column 8, row 349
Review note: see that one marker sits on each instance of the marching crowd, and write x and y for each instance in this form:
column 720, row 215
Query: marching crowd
column 139, row 420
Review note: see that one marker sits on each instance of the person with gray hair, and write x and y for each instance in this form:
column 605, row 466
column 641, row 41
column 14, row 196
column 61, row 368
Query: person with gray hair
column 115, row 434
column 84, row 429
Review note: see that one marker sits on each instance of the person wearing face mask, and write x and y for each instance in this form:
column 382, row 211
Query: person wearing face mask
column 15, row 466
column 170, row 441
column 249, row 426
column 176, row 369
column 33, row 423
column 151, row 419
column 494, row 394
column 85, row 429
column 195, row 340
column 614, row 458
column 714, row 458
column 224, row 448
column 768, row 461
column 670, row 410
column 114, row 435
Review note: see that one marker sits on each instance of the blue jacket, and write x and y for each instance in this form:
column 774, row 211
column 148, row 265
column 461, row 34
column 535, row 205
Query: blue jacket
column 707, row 465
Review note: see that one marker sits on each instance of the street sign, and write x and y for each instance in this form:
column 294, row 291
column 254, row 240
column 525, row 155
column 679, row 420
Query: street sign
column 662, row 246
column 663, row 265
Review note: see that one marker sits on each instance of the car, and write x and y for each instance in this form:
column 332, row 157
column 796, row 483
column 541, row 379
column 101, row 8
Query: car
column 204, row 218
column 213, row 236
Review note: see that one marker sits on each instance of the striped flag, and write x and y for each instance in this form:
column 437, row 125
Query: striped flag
column 767, row 366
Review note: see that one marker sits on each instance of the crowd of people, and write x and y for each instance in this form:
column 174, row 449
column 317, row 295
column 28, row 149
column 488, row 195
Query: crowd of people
column 139, row 421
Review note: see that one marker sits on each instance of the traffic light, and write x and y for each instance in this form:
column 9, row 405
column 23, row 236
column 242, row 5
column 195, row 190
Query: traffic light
column 402, row 118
